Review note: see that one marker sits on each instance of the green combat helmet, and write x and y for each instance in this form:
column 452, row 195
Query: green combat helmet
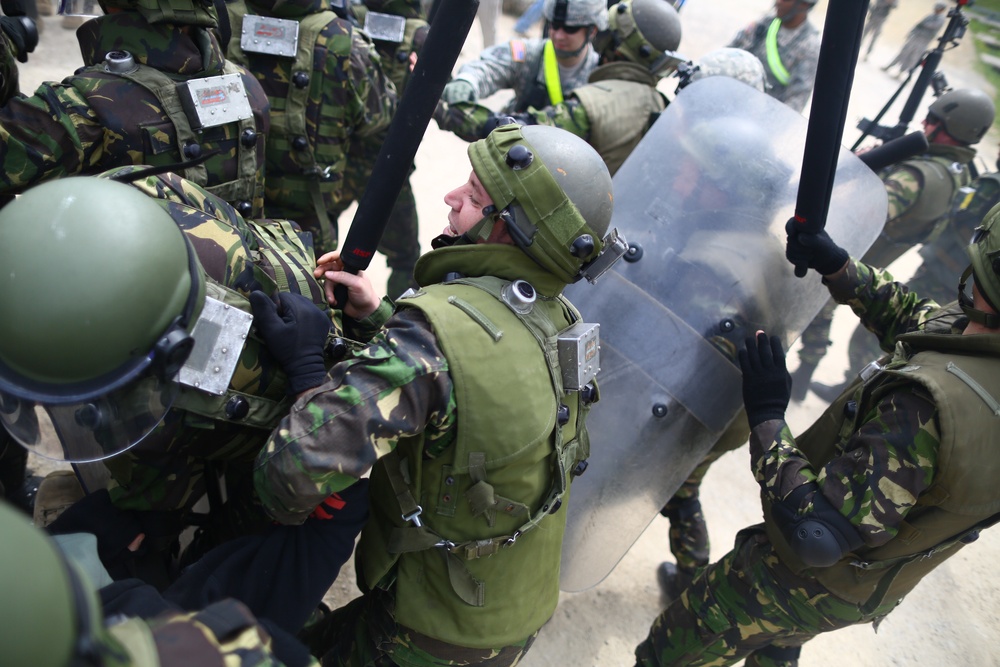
column 984, row 253
column 645, row 32
column 554, row 192
column 965, row 114
column 177, row 12
column 96, row 308
column 49, row 615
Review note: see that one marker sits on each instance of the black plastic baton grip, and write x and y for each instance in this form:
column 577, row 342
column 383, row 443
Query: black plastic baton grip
column 440, row 51
column 838, row 56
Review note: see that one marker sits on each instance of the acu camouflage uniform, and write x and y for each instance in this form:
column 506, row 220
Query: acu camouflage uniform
column 921, row 191
column 904, row 456
column 201, row 435
column 612, row 112
column 518, row 65
column 332, row 92
column 96, row 120
column 798, row 49
column 400, row 401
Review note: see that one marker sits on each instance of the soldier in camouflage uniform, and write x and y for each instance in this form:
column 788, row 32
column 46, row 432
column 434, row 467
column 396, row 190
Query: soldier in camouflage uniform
column 787, row 44
column 470, row 429
column 921, row 191
column 52, row 616
column 943, row 256
column 326, row 88
column 18, row 38
column 892, row 480
column 540, row 71
column 401, row 242
column 202, row 404
column 148, row 94
column 620, row 101
column 878, row 12
column 918, row 39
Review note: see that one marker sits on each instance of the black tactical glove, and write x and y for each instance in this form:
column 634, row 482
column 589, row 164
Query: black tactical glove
column 816, row 251
column 766, row 383
column 22, row 32
column 115, row 529
column 295, row 337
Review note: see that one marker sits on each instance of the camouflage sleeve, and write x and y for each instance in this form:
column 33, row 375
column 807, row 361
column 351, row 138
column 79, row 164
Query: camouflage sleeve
column 745, row 39
column 467, row 120
column 877, row 477
column 886, row 308
column 472, row 122
column 8, row 69
column 366, row 329
column 803, row 74
column 396, row 387
column 903, row 185
column 499, row 67
column 51, row 134
column 569, row 115
column 373, row 99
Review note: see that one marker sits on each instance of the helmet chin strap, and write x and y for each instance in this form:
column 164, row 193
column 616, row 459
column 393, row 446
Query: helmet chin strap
column 478, row 233
column 988, row 320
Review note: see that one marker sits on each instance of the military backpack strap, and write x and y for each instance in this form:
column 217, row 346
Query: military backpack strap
column 281, row 244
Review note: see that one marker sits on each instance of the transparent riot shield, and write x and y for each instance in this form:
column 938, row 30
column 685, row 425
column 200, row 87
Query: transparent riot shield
column 703, row 199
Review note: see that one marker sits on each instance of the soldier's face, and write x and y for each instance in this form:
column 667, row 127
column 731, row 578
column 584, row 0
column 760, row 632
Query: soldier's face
column 785, row 7
column 568, row 38
column 467, row 203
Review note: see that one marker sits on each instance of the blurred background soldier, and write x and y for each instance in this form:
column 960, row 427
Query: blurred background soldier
column 325, row 84
column 540, row 71
column 51, row 614
column 18, row 38
column 138, row 357
column 877, row 15
column 918, row 39
column 787, row 44
column 155, row 90
column 944, row 255
column 895, row 478
column 620, row 101
column 921, row 191
column 471, row 455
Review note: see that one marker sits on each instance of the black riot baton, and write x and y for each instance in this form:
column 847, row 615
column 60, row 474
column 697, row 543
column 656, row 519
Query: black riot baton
column 838, row 55
column 423, row 90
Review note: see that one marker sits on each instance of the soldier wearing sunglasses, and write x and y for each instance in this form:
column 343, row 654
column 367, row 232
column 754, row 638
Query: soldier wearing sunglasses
column 539, row 71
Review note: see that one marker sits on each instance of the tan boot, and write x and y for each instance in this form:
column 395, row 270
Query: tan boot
column 58, row 491
column 45, row 7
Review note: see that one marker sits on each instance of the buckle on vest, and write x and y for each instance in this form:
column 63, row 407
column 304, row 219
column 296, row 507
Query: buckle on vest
column 414, row 517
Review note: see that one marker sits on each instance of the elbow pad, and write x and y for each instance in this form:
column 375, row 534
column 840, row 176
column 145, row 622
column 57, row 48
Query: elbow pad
column 819, row 538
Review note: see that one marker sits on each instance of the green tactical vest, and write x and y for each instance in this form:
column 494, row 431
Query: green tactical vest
column 962, row 374
column 942, row 172
column 492, row 502
column 621, row 101
column 395, row 57
column 306, row 154
column 247, row 186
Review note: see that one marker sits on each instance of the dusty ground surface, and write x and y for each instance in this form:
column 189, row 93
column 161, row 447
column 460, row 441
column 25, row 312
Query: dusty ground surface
column 952, row 617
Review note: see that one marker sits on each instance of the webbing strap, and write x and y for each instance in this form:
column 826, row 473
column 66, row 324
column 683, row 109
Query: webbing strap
column 551, row 68
column 773, row 57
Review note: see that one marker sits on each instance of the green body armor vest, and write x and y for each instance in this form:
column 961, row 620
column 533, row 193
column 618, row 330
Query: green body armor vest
column 483, row 569
column 621, row 102
column 962, row 374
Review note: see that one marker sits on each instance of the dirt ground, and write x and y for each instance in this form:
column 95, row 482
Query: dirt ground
column 952, row 617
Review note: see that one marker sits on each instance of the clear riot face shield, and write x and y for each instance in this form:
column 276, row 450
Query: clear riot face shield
column 703, row 201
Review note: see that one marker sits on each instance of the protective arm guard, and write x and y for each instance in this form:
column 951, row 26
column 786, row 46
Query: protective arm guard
column 820, row 537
